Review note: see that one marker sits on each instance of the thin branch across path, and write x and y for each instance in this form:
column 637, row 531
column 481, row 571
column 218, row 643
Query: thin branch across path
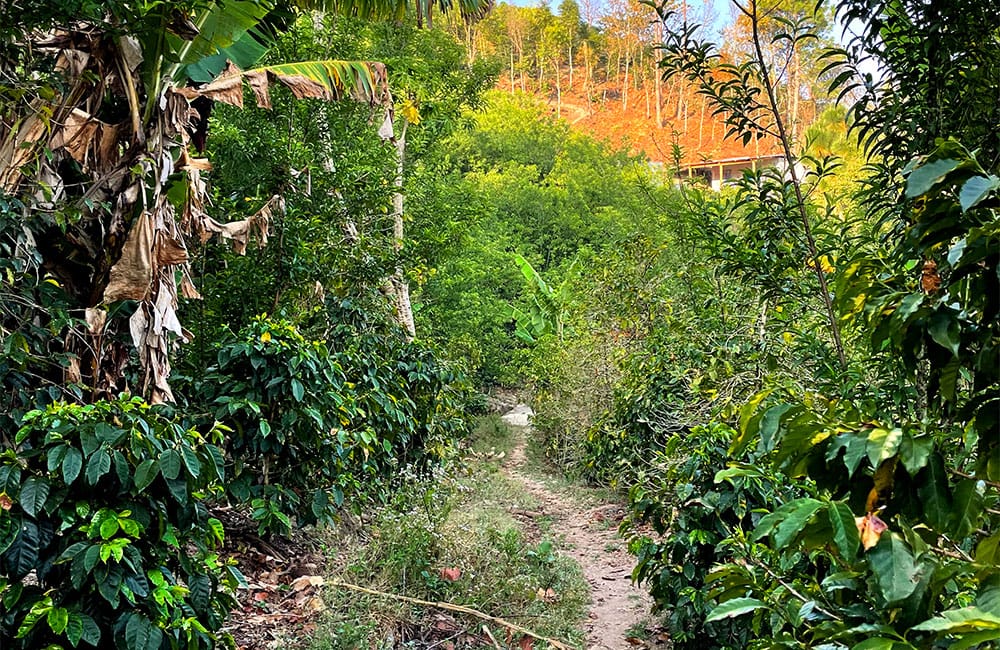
column 451, row 607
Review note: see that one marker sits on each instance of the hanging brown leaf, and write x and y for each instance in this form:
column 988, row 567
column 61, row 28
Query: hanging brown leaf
column 131, row 276
column 930, row 280
column 258, row 84
column 96, row 319
column 76, row 135
column 871, row 528
column 227, row 87
column 21, row 147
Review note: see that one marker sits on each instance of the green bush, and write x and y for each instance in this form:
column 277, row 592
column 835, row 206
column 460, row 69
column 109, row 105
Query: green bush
column 316, row 422
column 35, row 317
column 290, row 408
column 105, row 537
column 698, row 517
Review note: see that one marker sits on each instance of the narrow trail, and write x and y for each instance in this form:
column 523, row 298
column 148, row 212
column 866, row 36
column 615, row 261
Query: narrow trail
column 588, row 531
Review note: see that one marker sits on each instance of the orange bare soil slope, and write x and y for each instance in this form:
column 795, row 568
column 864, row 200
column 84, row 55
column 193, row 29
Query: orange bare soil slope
column 628, row 118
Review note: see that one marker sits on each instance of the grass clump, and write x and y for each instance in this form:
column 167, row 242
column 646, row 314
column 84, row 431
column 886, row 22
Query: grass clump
column 452, row 539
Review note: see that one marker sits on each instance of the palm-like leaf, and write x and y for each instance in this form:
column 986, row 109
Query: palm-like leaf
column 330, row 80
column 365, row 81
column 220, row 24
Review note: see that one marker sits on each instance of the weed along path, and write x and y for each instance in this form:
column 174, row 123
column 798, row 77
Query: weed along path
column 587, row 528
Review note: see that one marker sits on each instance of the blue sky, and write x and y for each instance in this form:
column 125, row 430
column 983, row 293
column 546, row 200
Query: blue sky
column 721, row 7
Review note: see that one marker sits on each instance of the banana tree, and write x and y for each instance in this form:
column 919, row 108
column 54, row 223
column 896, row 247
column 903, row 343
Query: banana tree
column 547, row 312
column 102, row 155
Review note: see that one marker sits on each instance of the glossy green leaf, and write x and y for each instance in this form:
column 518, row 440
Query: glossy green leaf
column 894, row 568
column 967, row 508
column 883, row 444
column 882, row 643
column 145, row 473
column 923, row 178
column 988, row 599
column 200, row 587
column 74, row 629
column 945, row 331
column 298, row 390
column 770, row 422
column 735, row 607
column 915, row 451
column 91, row 632
column 974, row 640
column 216, row 461
column 845, row 531
column 22, row 555
column 71, row 465
column 976, row 189
column 787, row 522
column 191, row 461
column 909, row 306
column 987, row 551
column 967, row 619
column 98, row 465
column 57, row 619
column 109, row 526
column 34, row 493
column 142, row 634
column 934, row 492
column 170, row 464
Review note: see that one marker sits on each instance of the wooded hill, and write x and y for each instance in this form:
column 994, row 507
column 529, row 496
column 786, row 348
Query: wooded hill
column 597, row 66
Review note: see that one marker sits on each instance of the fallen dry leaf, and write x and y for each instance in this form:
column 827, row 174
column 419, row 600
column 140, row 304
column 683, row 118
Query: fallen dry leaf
column 451, row 574
column 526, row 643
column 315, row 604
column 305, row 582
column 546, row 595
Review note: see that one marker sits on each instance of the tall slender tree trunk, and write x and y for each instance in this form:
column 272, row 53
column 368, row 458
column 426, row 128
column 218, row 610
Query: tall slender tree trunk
column 625, row 86
column 659, row 99
column 555, row 65
column 520, row 64
column 796, row 62
column 793, row 175
column 399, row 287
column 571, row 67
column 701, row 124
column 512, row 80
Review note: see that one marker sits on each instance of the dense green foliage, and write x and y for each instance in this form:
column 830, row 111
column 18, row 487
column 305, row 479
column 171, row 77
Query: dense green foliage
column 107, row 535
column 530, row 188
column 106, row 505
column 796, row 379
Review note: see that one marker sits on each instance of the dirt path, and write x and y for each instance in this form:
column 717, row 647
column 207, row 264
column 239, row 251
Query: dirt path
column 589, row 532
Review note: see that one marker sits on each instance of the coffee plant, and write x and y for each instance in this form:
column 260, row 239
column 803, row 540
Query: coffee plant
column 106, row 538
